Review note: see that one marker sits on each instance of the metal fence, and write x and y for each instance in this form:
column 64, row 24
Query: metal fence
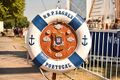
column 104, row 57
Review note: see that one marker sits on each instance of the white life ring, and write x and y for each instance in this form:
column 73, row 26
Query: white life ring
column 83, row 37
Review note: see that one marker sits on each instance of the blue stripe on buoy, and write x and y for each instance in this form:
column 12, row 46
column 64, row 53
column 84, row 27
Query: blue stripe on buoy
column 76, row 59
column 40, row 59
column 39, row 22
column 76, row 22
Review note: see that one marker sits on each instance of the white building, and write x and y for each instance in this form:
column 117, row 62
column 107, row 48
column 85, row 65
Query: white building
column 1, row 26
column 100, row 8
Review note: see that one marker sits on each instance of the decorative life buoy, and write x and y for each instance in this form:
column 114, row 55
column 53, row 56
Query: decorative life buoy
column 58, row 40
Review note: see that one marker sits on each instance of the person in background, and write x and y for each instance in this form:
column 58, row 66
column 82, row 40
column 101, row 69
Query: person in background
column 117, row 24
column 20, row 32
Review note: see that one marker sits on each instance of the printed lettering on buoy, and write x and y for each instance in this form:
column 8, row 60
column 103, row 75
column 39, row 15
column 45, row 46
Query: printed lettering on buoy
column 58, row 40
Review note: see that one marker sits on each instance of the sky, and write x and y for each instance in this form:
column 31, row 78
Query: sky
column 34, row 7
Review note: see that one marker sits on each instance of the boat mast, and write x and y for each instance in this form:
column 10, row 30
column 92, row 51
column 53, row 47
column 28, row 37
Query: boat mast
column 68, row 4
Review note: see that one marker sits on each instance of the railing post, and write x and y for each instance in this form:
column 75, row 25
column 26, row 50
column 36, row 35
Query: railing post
column 54, row 76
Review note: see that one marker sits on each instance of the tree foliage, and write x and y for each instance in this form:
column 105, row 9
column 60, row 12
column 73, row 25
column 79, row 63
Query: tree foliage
column 3, row 11
column 11, row 12
column 9, row 23
column 22, row 22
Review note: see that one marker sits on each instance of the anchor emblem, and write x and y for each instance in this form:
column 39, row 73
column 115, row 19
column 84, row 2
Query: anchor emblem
column 84, row 40
column 31, row 40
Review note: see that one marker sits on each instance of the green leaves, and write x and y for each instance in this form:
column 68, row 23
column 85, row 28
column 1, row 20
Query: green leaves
column 11, row 12
column 17, row 8
column 3, row 11
column 22, row 22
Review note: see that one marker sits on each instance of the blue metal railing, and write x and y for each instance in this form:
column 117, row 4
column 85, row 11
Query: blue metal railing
column 106, row 43
column 104, row 57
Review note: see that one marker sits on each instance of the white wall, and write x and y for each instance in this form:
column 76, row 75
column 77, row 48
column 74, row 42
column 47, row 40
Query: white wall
column 1, row 26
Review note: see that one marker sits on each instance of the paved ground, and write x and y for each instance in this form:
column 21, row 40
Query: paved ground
column 11, row 44
column 13, row 64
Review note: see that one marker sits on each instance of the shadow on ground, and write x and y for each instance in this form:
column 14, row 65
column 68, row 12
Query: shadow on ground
column 16, row 70
column 21, row 70
column 20, row 54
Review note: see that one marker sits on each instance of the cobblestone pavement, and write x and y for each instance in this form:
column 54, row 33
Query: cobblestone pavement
column 13, row 64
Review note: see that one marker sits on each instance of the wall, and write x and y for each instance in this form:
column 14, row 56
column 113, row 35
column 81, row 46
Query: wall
column 1, row 26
